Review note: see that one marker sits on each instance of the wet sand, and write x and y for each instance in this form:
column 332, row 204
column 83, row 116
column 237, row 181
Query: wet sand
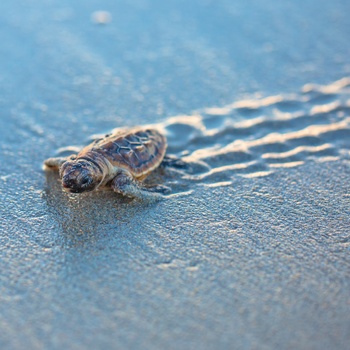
column 251, row 248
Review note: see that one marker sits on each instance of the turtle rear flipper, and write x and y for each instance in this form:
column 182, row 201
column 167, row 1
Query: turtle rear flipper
column 174, row 162
column 126, row 185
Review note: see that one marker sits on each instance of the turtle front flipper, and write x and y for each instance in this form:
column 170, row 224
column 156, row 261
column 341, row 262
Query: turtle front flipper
column 55, row 162
column 126, row 185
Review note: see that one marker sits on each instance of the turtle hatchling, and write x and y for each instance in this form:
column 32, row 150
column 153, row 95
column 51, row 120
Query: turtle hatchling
column 120, row 160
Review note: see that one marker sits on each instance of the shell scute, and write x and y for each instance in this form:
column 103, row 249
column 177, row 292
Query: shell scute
column 132, row 159
column 139, row 147
column 123, row 143
column 133, row 139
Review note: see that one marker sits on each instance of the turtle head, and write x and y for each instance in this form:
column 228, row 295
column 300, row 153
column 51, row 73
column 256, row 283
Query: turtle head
column 80, row 176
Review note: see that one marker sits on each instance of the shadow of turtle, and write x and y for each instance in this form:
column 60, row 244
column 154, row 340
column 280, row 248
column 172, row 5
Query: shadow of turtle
column 91, row 216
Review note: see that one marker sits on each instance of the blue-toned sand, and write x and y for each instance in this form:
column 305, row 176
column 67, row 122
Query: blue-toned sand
column 251, row 249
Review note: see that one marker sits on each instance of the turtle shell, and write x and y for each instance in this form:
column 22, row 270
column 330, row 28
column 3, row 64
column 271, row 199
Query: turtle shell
column 138, row 150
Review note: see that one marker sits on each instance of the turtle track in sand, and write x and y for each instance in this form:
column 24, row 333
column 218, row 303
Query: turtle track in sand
column 256, row 137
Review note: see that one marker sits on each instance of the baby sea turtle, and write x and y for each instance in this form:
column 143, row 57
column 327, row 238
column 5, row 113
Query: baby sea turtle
column 120, row 160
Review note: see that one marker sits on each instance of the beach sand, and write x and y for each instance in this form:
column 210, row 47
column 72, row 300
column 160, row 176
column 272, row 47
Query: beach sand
column 251, row 248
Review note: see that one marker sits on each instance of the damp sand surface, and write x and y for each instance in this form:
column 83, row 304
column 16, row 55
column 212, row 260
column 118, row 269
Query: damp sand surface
column 251, row 248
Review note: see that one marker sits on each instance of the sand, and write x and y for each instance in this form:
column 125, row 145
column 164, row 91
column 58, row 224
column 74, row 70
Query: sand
column 251, row 248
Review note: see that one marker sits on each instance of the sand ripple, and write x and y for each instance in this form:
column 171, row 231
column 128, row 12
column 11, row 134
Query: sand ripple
column 256, row 137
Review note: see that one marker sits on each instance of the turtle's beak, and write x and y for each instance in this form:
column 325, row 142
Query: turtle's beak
column 69, row 184
column 78, row 184
column 65, row 185
column 66, row 182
